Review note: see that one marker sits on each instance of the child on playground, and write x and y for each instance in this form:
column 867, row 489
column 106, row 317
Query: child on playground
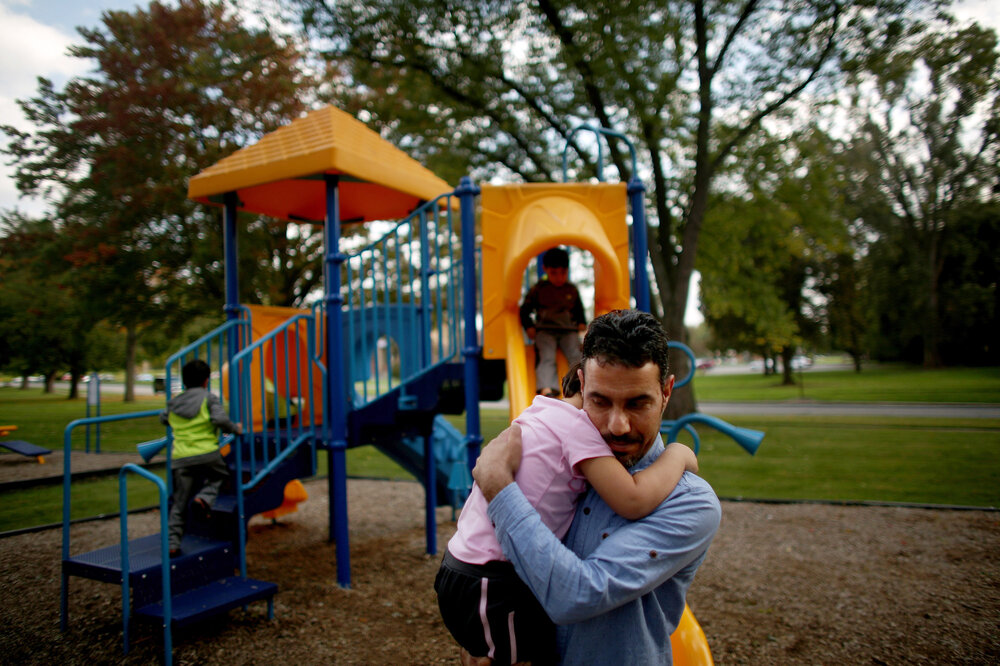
column 486, row 607
column 552, row 315
column 198, row 468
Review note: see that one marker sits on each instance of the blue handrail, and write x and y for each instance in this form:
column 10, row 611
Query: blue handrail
column 280, row 347
column 68, row 469
column 164, row 556
column 402, row 303
column 673, row 344
column 600, row 150
column 203, row 348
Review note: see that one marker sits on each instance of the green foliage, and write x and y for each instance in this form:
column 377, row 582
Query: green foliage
column 496, row 88
column 171, row 90
column 970, row 274
column 44, row 325
column 766, row 248
column 927, row 116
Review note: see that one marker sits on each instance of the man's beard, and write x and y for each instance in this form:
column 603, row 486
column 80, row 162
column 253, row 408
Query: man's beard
column 627, row 459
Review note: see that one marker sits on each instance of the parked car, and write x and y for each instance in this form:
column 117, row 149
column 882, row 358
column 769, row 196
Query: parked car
column 704, row 364
column 800, row 362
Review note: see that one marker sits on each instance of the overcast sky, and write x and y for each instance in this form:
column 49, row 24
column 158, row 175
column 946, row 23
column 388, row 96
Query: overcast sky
column 34, row 36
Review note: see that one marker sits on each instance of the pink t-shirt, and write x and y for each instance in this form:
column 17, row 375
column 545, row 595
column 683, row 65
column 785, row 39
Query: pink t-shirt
column 555, row 436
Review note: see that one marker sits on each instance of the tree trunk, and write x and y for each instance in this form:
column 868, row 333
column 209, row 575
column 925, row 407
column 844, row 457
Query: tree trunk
column 932, row 318
column 131, row 342
column 857, row 362
column 786, row 367
column 50, row 382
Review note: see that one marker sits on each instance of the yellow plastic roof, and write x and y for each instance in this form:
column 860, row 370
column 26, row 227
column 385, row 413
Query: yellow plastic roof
column 282, row 174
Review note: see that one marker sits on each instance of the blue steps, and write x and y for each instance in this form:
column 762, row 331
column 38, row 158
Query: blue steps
column 203, row 580
column 105, row 564
column 219, row 596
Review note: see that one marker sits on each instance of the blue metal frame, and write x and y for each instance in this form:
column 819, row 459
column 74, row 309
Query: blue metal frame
column 673, row 344
column 466, row 193
column 164, row 555
column 636, row 192
column 747, row 438
column 335, row 411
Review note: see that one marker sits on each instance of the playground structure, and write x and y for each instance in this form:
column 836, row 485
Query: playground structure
column 22, row 447
column 420, row 322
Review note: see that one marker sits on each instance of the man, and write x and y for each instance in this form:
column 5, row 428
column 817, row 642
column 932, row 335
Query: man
column 616, row 587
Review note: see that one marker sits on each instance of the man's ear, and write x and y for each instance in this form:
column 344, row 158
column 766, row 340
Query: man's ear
column 579, row 375
column 668, row 389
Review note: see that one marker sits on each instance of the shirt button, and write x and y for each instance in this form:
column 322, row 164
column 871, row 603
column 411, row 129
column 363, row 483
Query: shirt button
column 604, row 536
column 586, row 510
column 652, row 554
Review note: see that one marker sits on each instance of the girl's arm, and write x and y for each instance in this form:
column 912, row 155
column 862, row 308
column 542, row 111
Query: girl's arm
column 635, row 496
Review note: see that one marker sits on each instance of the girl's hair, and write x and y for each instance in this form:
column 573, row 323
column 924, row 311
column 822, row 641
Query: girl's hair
column 571, row 381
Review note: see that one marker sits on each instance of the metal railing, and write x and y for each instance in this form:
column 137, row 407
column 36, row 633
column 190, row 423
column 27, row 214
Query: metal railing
column 402, row 298
column 276, row 381
column 164, row 558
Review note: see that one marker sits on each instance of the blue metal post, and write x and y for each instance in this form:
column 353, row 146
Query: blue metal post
column 640, row 247
column 336, row 408
column 430, row 486
column 466, row 193
column 232, row 306
column 425, row 291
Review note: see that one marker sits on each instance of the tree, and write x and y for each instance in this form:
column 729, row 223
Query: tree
column 767, row 251
column 43, row 323
column 496, row 88
column 174, row 89
column 929, row 117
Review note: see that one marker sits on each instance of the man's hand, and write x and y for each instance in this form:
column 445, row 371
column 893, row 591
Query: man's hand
column 498, row 462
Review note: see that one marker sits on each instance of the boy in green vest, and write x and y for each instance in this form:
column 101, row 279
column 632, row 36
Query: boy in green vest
column 198, row 468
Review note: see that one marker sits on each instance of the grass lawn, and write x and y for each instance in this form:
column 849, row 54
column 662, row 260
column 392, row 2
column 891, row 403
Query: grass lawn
column 882, row 383
column 936, row 461
column 42, row 419
column 930, row 461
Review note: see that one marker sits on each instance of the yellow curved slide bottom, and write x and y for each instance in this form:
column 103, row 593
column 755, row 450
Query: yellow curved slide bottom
column 295, row 493
column 688, row 642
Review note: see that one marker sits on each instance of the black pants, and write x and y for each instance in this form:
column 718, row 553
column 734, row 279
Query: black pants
column 202, row 480
column 492, row 613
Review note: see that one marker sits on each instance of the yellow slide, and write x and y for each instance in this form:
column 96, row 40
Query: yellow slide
column 519, row 222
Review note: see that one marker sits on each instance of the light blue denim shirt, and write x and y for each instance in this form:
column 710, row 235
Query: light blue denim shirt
column 616, row 588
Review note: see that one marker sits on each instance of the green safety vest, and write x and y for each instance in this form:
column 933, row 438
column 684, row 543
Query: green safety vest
column 194, row 436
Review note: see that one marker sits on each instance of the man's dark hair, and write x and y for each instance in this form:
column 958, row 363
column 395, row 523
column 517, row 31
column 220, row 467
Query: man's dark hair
column 555, row 258
column 627, row 337
column 195, row 373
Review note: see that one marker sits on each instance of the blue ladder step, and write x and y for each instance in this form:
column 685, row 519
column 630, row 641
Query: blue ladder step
column 217, row 597
column 105, row 564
